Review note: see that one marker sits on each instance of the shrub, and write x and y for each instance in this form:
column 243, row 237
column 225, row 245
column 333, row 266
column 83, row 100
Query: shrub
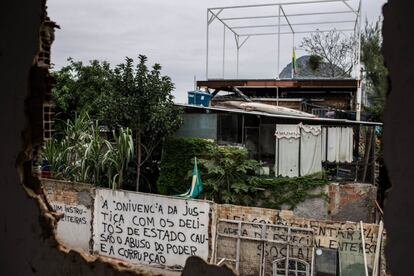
column 176, row 162
column 229, row 176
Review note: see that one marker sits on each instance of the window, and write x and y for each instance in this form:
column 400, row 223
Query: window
column 227, row 129
column 296, row 267
column 322, row 113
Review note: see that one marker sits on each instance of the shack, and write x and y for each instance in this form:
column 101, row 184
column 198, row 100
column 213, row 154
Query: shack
column 287, row 145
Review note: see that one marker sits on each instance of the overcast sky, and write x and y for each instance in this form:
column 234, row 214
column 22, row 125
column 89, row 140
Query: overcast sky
column 173, row 33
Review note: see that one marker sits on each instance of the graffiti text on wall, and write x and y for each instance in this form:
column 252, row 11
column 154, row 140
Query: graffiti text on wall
column 74, row 228
column 151, row 230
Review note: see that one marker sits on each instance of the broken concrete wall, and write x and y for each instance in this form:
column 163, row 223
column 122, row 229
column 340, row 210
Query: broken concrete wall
column 398, row 143
column 27, row 222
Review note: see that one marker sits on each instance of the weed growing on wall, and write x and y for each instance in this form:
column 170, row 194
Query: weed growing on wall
column 289, row 192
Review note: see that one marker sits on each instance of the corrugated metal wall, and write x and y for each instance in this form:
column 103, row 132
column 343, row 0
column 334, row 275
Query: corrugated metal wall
column 199, row 126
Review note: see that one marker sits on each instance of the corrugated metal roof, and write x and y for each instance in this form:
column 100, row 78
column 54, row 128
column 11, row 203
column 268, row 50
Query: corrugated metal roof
column 242, row 111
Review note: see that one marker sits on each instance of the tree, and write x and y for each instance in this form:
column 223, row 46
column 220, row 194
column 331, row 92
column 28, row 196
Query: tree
column 126, row 96
column 79, row 87
column 141, row 99
column 334, row 48
column 376, row 82
column 314, row 62
column 376, row 89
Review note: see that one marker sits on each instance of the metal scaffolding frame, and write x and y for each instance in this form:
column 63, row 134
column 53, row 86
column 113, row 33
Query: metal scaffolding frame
column 214, row 14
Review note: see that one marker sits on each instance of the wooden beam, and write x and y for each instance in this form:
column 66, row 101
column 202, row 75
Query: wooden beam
column 216, row 91
column 367, row 153
column 244, row 97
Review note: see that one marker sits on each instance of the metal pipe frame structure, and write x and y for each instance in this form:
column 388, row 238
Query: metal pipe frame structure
column 241, row 38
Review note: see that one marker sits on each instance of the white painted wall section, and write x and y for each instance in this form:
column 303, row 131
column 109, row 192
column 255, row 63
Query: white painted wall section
column 74, row 228
column 148, row 229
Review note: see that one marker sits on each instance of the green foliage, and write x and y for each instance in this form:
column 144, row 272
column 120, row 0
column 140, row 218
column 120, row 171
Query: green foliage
column 80, row 87
column 275, row 192
column 376, row 73
column 119, row 157
column 129, row 96
column 229, row 175
column 177, row 154
column 83, row 155
column 315, row 62
column 142, row 100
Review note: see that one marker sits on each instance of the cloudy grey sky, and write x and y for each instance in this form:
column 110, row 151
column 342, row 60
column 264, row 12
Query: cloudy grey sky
column 173, row 33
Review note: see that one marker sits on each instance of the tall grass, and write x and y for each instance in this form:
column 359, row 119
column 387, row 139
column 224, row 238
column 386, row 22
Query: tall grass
column 84, row 155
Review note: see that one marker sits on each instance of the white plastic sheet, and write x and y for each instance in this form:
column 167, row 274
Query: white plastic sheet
column 311, row 151
column 288, row 157
column 287, row 150
column 287, row 131
column 291, row 139
column 346, row 145
column 312, row 142
column 323, row 141
column 334, row 134
column 340, row 144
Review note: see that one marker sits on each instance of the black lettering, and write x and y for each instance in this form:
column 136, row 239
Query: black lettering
column 103, row 248
column 332, row 244
column 354, row 247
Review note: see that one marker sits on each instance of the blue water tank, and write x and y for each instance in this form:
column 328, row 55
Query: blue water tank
column 199, row 98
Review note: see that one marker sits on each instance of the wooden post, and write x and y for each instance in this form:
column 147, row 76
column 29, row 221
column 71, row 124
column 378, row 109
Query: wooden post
column 377, row 249
column 300, row 146
column 373, row 155
column 356, row 150
column 363, row 248
column 367, row 154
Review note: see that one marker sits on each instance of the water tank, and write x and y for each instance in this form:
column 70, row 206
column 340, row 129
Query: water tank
column 199, row 98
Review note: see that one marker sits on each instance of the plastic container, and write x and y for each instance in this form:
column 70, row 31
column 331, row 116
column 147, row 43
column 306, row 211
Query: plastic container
column 199, row 98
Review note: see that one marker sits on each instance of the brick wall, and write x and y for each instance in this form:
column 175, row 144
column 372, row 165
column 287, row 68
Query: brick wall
column 244, row 213
column 345, row 202
column 352, row 202
column 68, row 192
